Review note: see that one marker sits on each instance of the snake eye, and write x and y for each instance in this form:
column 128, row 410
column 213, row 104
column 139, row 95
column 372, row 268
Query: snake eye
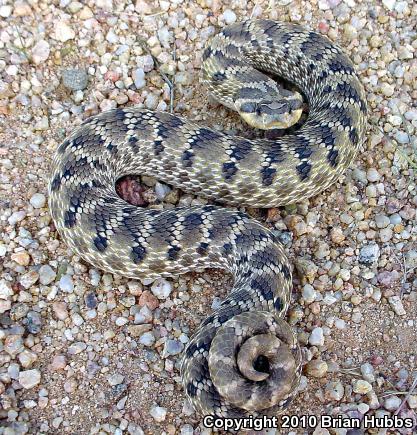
column 249, row 107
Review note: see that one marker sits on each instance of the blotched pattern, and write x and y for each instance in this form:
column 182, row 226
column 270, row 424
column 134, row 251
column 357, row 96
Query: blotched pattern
column 244, row 358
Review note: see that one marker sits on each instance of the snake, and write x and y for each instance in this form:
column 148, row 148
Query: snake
column 244, row 359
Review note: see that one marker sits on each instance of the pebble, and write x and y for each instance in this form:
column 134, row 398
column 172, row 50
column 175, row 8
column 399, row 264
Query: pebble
column 29, row 378
column 382, row 221
column 367, row 371
column 316, row 337
column 158, row 413
column 76, row 348
column 412, row 401
column 27, row 358
column 60, row 310
column 161, row 190
column 369, row 254
column 229, row 16
column 40, row 52
column 75, row 79
column 334, row 390
column 22, row 258
column 397, row 305
column 149, row 300
column 115, row 379
column 172, row 347
column 309, row 294
column 139, row 78
column 138, row 330
column 66, row 284
column 392, row 403
column 77, row 319
column 5, row 11
column 5, row 289
column 373, row 175
column 13, row 344
column 147, row 339
column 362, row 387
column 161, row 288
column 38, row 200
column 90, row 300
column 16, row 217
column 389, row 4
column 33, row 322
column 317, row 368
column 46, row 274
column 29, row 279
column 63, row 32
column 59, row 362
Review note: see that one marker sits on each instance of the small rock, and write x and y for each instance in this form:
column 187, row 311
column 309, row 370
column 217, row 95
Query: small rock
column 38, row 200
column 75, row 79
column 392, row 403
column 161, row 190
column 121, row 321
column 382, row 221
column 29, row 378
column 362, row 387
column 63, row 32
column 373, row 175
column 139, row 78
column 309, row 294
column 5, row 289
column 158, row 413
column 115, row 379
column 13, row 345
column 90, row 300
column 33, row 322
column 397, row 305
column 306, row 269
column 367, row 371
column 149, row 300
column 59, row 362
column 172, row 347
column 60, row 310
column 412, row 401
column 40, row 52
column 387, row 278
column 16, row 217
column 28, row 279
column 27, row 358
column 138, row 330
column 46, row 274
column 5, row 11
column 76, row 348
column 316, row 337
column 389, row 4
column 66, row 284
column 161, row 288
column 334, row 390
column 317, row 368
column 369, row 254
column 77, row 320
column 229, row 16
column 22, row 258
column 147, row 339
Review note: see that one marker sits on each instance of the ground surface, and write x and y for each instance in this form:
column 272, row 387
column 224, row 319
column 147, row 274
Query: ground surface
column 85, row 352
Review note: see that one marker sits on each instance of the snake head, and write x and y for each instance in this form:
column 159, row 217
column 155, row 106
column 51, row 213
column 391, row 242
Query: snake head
column 280, row 112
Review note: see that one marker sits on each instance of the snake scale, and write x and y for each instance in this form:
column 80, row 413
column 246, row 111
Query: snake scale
column 244, row 358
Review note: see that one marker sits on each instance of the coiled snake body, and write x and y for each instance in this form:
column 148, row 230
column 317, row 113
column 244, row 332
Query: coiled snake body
column 244, row 358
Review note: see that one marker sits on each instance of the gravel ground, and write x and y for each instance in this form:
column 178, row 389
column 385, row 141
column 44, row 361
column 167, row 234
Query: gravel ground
column 84, row 352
